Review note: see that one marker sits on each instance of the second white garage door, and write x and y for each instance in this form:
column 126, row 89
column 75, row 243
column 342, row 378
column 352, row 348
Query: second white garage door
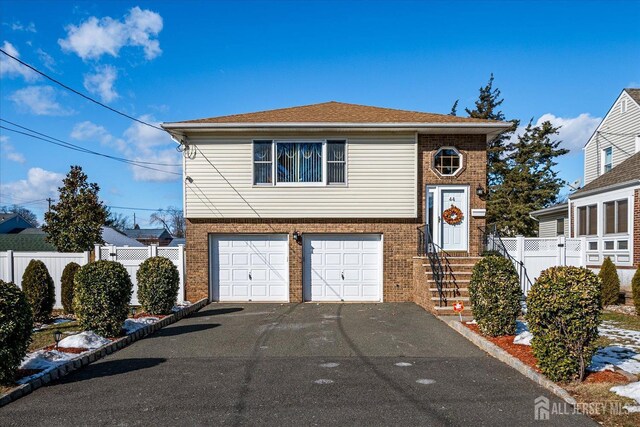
column 343, row 267
column 250, row 267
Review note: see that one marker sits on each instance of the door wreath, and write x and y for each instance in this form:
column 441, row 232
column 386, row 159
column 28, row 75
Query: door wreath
column 453, row 215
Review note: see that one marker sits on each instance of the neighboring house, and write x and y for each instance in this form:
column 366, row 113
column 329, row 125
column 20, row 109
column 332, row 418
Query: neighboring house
column 150, row 236
column 13, row 223
column 323, row 202
column 111, row 236
column 25, row 242
column 177, row 241
column 615, row 140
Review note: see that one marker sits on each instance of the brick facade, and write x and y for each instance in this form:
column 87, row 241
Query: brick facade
column 399, row 235
column 636, row 229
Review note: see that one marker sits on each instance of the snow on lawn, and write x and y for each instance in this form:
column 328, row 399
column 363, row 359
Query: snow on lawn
column 87, row 339
column 181, row 305
column 631, row 391
column 132, row 325
column 624, row 351
column 46, row 360
column 523, row 336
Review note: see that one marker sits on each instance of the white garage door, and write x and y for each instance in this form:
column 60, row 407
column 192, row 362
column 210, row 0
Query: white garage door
column 343, row 267
column 250, row 267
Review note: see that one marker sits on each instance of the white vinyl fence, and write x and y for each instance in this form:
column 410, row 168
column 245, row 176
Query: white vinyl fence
column 538, row 253
column 132, row 257
column 13, row 264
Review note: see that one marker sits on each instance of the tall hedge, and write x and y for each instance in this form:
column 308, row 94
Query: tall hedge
column 16, row 325
column 563, row 312
column 495, row 296
column 158, row 284
column 39, row 290
column 68, row 275
column 101, row 297
column 635, row 290
column 610, row 282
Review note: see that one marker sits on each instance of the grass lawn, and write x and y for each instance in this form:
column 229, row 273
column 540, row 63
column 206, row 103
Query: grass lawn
column 45, row 338
column 624, row 321
column 601, row 397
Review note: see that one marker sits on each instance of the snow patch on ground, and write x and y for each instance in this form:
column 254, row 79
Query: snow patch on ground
column 624, row 351
column 181, row 305
column 87, row 339
column 323, row 381
column 523, row 336
column 47, row 360
column 632, row 391
column 425, row 381
column 132, row 325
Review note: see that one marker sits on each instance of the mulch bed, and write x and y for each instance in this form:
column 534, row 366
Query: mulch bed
column 525, row 354
column 159, row 316
column 73, row 350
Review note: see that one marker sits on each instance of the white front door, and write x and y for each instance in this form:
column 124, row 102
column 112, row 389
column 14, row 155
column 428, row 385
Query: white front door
column 250, row 267
column 343, row 267
column 454, row 237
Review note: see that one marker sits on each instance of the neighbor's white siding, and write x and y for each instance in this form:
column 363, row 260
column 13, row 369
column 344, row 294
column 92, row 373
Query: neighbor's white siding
column 547, row 225
column 381, row 175
column 625, row 126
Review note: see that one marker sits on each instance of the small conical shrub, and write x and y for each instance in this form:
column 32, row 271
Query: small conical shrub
column 635, row 290
column 39, row 290
column 68, row 274
column 158, row 285
column 610, row 282
column 16, row 324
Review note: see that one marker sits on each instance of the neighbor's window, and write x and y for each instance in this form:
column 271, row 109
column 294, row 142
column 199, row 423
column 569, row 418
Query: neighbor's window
column 623, row 106
column 262, row 162
column 588, row 220
column 615, row 217
column 447, row 161
column 283, row 162
column 607, row 159
column 560, row 227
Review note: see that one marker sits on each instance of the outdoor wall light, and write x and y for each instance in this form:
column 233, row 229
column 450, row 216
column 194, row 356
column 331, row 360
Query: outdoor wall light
column 296, row 236
column 132, row 310
column 57, row 335
column 480, row 191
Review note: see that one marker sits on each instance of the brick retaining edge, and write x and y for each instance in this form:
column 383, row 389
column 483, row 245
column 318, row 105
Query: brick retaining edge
column 97, row 354
column 500, row 354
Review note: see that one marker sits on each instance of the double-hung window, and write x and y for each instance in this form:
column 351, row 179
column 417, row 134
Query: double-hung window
column 607, row 159
column 588, row 220
column 615, row 217
column 299, row 162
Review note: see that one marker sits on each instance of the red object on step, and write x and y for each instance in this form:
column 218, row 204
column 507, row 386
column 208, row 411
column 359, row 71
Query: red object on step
column 458, row 307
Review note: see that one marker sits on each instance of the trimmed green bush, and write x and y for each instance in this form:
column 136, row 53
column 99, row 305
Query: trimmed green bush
column 101, row 297
column 16, row 325
column 158, row 285
column 563, row 311
column 635, row 290
column 39, row 290
column 610, row 282
column 495, row 296
column 68, row 274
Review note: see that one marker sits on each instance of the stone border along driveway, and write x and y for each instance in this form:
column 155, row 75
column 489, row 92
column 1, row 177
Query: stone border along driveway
column 500, row 354
column 97, row 354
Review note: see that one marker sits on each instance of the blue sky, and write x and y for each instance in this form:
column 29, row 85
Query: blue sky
column 168, row 61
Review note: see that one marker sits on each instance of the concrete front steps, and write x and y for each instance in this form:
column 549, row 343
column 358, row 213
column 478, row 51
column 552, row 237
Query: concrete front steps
column 457, row 275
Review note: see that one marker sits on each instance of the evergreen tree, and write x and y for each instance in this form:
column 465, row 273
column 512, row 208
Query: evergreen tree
column 74, row 223
column 454, row 108
column 529, row 180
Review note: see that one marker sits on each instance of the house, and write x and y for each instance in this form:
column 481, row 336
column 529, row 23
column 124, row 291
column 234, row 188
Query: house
column 13, row 223
column 615, row 140
column 111, row 236
column 329, row 202
column 177, row 242
column 25, row 242
column 150, row 236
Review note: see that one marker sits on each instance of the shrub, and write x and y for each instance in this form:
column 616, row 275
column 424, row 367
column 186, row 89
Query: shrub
column 158, row 284
column 68, row 275
column 610, row 282
column 495, row 296
column 101, row 297
column 39, row 290
column 635, row 290
column 563, row 311
column 16, row 324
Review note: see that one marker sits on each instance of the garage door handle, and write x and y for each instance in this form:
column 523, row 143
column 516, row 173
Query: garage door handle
column 342, row 274
column 250, row 278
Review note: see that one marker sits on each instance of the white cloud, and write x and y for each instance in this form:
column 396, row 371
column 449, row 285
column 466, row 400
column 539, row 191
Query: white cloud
column 101, row 82
column 574, row 131
column 39, row 184
column 140, row 143
column 46, row 59
column 9, row 151
column 11, row 68
column 96, row 37
column 39, row 100
column 18, row 26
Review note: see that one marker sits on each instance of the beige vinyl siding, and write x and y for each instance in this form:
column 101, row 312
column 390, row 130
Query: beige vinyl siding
column 623, row 145
column 381, row 176
column 547, row 225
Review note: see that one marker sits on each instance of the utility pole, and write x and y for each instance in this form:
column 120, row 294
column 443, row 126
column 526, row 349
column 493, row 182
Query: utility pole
column 134, row 220
column 49, row 199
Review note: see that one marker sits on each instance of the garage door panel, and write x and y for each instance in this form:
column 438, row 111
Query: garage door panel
column 250, row 267
column 342, row 267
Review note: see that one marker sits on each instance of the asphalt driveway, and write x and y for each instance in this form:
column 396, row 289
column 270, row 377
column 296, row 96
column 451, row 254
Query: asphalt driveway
column 293, row 364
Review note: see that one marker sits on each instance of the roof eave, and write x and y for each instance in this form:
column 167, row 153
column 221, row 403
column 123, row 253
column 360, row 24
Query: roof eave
column 327, row 125
column 550, row 210
column 611, row 187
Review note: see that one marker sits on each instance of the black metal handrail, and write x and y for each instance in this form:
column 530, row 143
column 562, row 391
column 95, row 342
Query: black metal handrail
column 426, row 246
column 492, row 242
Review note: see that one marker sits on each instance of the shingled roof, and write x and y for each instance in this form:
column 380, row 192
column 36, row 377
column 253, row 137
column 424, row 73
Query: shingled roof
column 627, row 171
column 634, row 93
column 338, row 112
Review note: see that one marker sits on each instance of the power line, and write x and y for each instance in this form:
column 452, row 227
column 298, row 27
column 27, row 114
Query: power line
column 87, row 97
column 134, row 209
